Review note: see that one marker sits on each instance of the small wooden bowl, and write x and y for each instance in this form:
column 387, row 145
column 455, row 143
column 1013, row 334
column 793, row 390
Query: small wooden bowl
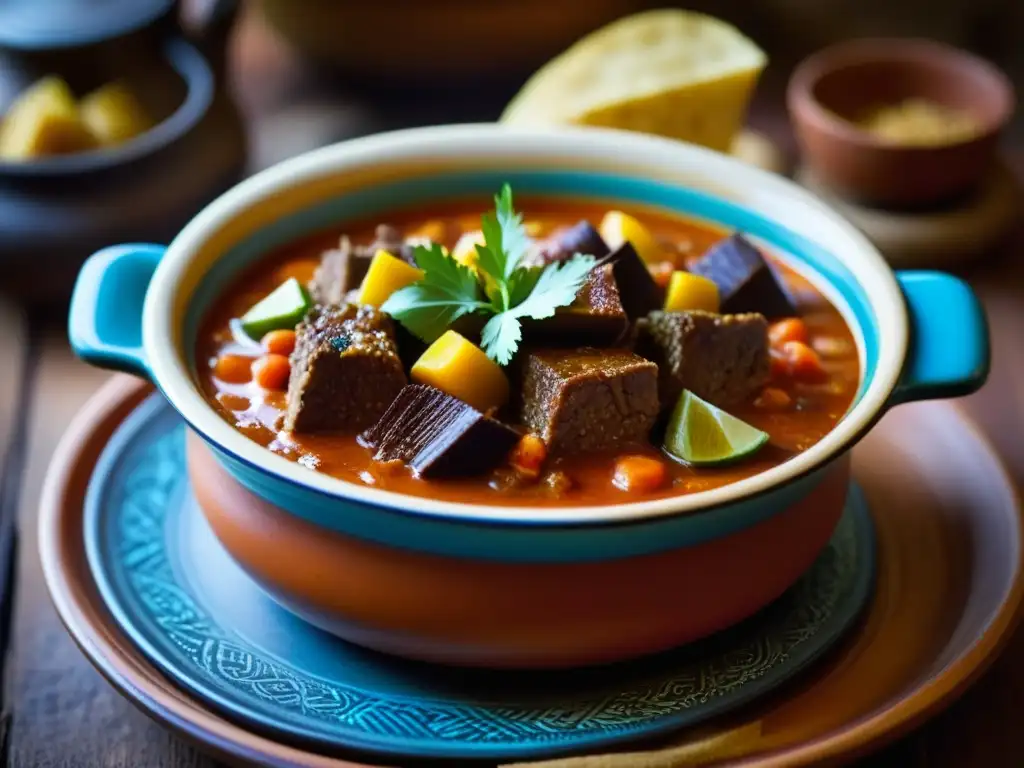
column 844, row 80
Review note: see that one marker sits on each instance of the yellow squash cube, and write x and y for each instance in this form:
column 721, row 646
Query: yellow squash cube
column 688, row 291
column 386, row 275
column 618, row 227
column 113, row 114
column 455, row 365
column 44, row 121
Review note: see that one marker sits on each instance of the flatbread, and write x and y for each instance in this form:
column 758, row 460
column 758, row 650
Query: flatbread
column 668, row 72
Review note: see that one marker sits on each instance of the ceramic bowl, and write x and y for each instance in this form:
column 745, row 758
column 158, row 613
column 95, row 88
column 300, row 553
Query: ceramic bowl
column 520, row 586
column 844, row 80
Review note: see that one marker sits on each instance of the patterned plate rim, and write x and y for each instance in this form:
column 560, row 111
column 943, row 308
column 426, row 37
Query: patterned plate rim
column 267, row 720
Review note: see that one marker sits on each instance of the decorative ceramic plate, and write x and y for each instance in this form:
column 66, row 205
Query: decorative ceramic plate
column 181, row 598
column 947, row 596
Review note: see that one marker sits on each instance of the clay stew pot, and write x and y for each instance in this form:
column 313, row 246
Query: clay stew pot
column 519, row 586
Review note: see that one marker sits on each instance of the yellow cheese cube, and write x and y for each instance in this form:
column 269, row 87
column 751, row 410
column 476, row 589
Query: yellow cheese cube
column 386, row 275
column 113, row 114
column 618, row 227
column 688, row 291
column 455, row 365
column 44, row 121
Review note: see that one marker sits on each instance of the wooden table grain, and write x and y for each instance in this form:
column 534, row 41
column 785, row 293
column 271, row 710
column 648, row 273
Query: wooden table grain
column 65, row 715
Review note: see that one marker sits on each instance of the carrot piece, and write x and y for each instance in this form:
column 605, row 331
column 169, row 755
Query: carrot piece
column 639, row 474
column 662, row 272
column 779, row 364
column 433, row 230
column 233, row 369
column 272, row 371
column 773, row 399
column 790, row 329
column 280, row 342
column 804, row 363
column 529, row 455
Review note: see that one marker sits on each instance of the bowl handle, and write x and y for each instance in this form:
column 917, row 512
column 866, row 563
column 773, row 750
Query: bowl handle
column 949, row 343
column 105, row 321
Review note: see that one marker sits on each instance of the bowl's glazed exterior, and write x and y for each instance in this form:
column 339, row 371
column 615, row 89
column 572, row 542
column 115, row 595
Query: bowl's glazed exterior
column 520, row 586
column 497, row 614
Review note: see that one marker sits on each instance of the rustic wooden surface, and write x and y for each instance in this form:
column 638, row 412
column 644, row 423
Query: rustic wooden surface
column 65, row 715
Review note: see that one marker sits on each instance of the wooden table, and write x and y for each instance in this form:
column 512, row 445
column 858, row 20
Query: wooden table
column 63, row 714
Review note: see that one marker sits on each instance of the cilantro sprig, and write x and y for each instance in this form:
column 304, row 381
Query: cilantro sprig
column 501, row 287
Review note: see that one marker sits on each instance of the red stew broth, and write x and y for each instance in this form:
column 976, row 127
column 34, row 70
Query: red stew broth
column 815, row 409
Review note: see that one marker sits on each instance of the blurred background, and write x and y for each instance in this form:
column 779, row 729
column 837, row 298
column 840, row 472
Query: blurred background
column 281, row 77
column 381, row 59
column 286, row 76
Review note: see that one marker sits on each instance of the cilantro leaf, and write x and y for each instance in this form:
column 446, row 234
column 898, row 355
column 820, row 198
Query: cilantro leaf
column 522, row 282
column 444, row 272
column 447, row 291
column 501, row 285
column 505, row 244
column 557, row 287
column 514, row 239
column 500, row 337
column 491, row 257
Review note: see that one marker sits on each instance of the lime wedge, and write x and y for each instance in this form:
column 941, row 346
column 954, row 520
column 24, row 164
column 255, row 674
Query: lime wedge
column 702, row 435
column 283, row 308
column 676, row 73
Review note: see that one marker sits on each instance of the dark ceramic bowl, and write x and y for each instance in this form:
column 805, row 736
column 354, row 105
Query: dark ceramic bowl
column 844, row 80
column 54, row 211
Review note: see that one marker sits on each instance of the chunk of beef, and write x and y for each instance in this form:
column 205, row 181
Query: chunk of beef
column 587, row 399
column 345, row 370
column 746, row 282
column 341, row 271
column 723, row 359
column 596, row 318
column 438, row 435
column 389, row 238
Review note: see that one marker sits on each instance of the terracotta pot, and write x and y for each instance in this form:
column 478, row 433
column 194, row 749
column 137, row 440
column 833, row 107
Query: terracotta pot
column 843, row 81
column 499, row 614
column 520, row 585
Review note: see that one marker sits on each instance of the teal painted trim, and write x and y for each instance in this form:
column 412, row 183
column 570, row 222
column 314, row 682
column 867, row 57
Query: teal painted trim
column 949, row 353
column 521, row 541
column 173, row 589
column 105, row 321
column 480, row 186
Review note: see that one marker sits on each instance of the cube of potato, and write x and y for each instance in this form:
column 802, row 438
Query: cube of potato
column 386, row 275
column 44, row 121
column 617, row 228
column 455, row 365
column 113, row 114
column 687, row 291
